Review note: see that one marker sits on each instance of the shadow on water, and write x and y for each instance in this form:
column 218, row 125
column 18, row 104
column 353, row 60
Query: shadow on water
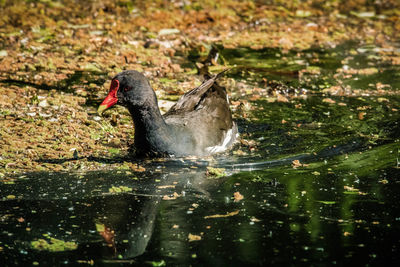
column 116, row 159
column 321, row 187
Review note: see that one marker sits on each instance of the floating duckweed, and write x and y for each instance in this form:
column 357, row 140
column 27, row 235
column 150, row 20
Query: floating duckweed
column 119, row 189
column 215, row 172
column 53, row 245
column 100, row 227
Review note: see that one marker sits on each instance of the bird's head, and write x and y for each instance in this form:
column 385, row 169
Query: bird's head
column 128, row 88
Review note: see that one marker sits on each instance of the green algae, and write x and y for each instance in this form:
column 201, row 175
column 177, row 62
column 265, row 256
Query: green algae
column 53, row 245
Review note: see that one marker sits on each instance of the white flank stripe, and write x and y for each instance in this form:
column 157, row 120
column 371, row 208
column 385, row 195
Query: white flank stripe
column 223, row 146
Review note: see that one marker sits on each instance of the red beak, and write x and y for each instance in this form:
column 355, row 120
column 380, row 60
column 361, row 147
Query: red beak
column 111, row 98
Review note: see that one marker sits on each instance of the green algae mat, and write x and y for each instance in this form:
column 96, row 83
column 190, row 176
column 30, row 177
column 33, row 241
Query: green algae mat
column 314, row 178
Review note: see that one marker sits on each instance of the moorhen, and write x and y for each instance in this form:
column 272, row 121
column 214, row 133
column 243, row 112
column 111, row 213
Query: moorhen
column 199, row 124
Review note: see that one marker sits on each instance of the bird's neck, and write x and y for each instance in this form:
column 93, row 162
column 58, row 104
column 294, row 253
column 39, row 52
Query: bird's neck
column 151, row 131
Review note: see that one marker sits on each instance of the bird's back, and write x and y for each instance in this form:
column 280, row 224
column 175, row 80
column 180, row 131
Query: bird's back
column 201, row 119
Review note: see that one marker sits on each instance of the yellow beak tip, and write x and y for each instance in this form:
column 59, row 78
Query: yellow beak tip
column 101, row 109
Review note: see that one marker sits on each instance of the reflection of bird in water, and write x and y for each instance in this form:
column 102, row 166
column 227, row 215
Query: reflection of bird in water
column 130, row 230
column 142, row 230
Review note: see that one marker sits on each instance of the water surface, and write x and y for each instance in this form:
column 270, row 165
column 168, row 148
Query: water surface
column 318, row 173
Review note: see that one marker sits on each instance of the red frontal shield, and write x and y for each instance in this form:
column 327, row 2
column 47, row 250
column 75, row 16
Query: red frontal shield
column 111, row 98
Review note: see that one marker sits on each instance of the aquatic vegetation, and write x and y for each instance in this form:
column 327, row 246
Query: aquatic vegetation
column 215, row 173
column 57, row 60
column 119, row 189
column 313, row 179
column 53, row 245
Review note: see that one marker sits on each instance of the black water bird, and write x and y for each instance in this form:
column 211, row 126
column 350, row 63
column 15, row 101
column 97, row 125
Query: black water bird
column 199, row 124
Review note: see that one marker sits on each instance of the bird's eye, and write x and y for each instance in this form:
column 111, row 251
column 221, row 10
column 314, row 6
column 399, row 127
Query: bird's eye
column 128, row 88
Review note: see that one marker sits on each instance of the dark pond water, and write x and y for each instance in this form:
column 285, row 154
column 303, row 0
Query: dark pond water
column 321, row 186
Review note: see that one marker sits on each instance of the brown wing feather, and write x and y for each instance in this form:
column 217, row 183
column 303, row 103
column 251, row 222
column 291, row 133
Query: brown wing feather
column 192, row 98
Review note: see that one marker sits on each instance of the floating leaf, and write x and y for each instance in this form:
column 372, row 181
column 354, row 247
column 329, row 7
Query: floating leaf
column 194, row 237
column 158, row 263
column 363, row 14
column 229, row 214
column 91, row 67
column 327, row 202
column 168, row 31
column 119, row 189
column 215, row 172
column 328, row 100
column 303, row 13
column 174, row 196
column 100, row 227
column 165, row 186
column 237, row 197
column 296, row 163
column 350, row 188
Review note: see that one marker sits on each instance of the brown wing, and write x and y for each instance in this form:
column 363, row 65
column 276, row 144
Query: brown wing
column 192, row 98
column 201, row 118
column 204, row 126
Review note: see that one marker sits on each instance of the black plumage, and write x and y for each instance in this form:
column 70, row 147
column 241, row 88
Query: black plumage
column 199, row 124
